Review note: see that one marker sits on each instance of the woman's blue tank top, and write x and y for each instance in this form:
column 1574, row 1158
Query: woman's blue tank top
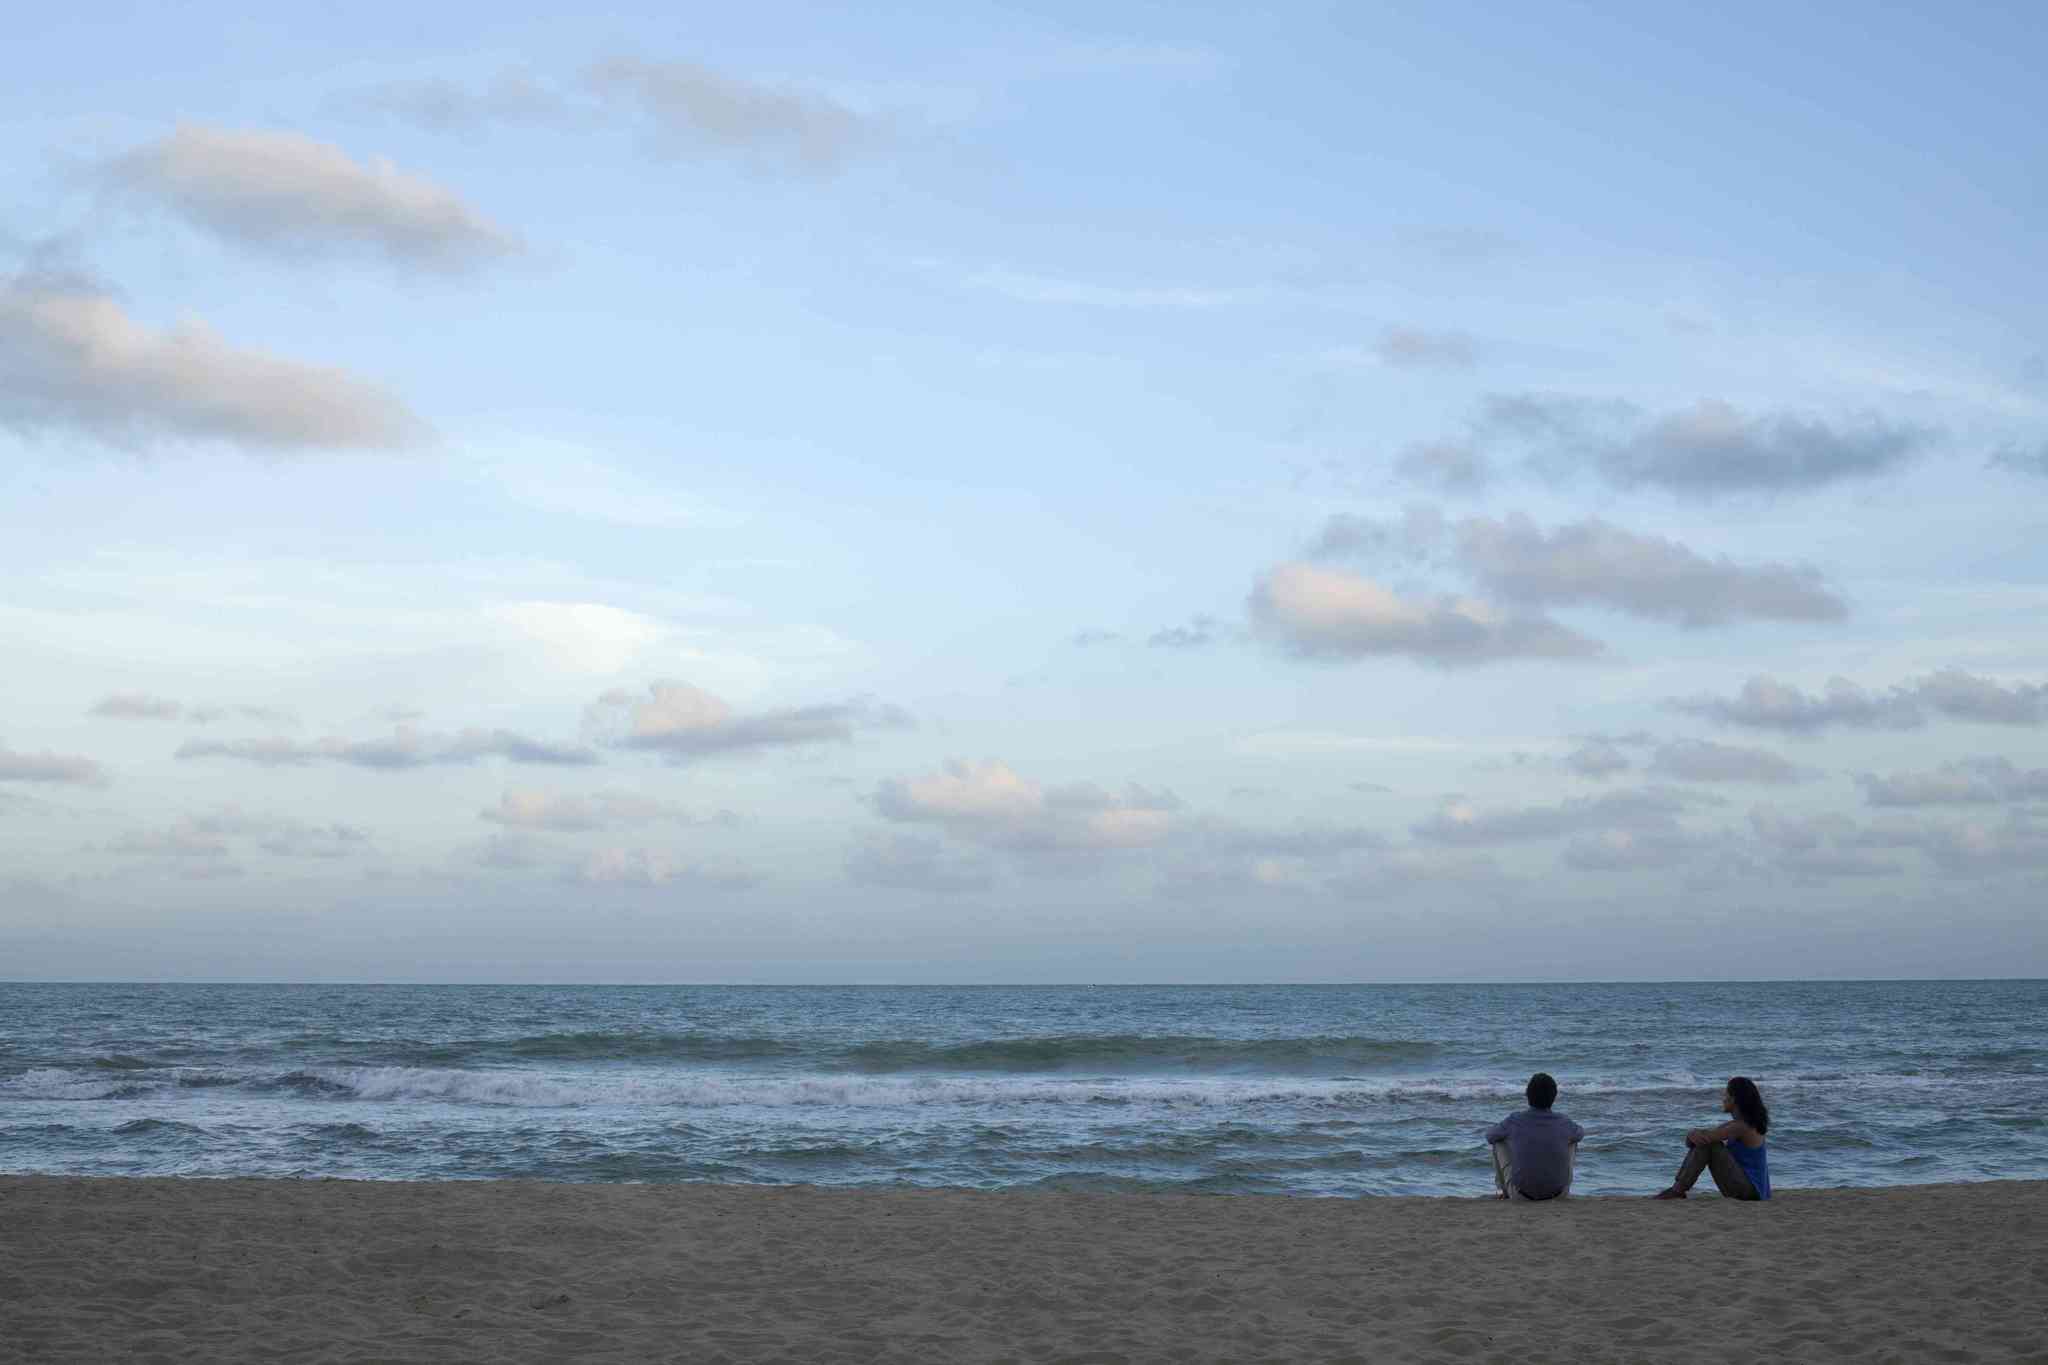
column 1753, row 1164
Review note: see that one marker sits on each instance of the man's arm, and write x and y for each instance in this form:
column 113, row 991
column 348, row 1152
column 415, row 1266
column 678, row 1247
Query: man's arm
column 1498, row 1133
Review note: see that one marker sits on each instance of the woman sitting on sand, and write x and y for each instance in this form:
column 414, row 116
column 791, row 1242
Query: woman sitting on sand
column 1734, row 1151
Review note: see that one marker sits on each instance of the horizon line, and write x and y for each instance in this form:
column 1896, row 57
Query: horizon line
column 1056, row 985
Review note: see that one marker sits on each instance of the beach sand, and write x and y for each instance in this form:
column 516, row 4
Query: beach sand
column 317, row 1270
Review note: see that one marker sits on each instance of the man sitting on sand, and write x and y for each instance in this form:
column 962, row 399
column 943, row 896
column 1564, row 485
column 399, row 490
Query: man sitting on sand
column 1533, row 1150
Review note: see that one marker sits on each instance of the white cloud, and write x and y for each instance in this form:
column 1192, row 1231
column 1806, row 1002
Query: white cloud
column 1634, row 850
column 145, row 706
column 1764, row 703
column 687, row 105
column 1965, row 696
column 447, row 106
column 1589, row 563
column 1965, row 782
column 583, row 637
column 1593, row 562
column 406, row 748
column 1598, row 757
column 73, row 361
column 1453, row 468
column 657, row 867
column 532, row 809
column 1646, row 809
column 1706, row 450
column 1403, row 871
column 1416, row 346
column 137, row 706
column 566, row 479
column 1702, row 760
column 292, row 196
column 1320, row 612
column 991, row 803
column 1975, row 848
column 214, row 835
column 909, row 862
column 687, row 722
column 19, row 766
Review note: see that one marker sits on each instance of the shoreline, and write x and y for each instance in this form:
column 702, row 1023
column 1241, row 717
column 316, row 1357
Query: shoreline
column 320, row 1269
column 1480, row 1187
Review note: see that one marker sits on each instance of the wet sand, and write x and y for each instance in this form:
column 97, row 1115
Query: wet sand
column 251, row 1270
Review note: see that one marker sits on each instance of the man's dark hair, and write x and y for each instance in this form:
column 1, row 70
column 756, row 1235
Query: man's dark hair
column 1542, row 1090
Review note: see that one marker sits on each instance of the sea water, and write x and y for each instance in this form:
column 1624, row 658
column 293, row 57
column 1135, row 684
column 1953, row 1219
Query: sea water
column 1301, row 1090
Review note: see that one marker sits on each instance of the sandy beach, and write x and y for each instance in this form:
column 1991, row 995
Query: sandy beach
column 247, row 1270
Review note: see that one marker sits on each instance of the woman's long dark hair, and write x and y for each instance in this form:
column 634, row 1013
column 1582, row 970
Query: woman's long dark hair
column 1749, row 1102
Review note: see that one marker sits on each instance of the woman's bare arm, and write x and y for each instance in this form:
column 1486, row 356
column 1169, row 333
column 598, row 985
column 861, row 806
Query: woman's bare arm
column 1733, row 1128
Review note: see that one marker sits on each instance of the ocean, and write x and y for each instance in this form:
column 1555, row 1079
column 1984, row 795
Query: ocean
column 1298, row 1090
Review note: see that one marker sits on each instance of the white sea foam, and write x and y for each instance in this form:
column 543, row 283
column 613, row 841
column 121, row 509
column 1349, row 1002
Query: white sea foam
column 546, row 1089
column 59, row 1083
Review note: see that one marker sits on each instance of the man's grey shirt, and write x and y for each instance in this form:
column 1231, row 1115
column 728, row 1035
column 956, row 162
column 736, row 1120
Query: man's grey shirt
column 1539, row 1150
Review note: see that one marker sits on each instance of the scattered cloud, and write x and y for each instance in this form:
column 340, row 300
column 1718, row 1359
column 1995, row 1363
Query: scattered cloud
column 690, row 106
column 1965, row 782
column 1414, row 347
column 145, row 706
column 532, row 809
column 1417, row 535
column 1599, row 758
column 1634, row 850
column 682, row 106
column 1199, row 633
column 510, row 852
column 1974, row 848
column 1088, row 639
column 1707, row 450
column 990, row 803
column 1453, row 468
column 1587, row 563
column 656, row 867
column 179, row 841
column 1767, row 704
column 1815, row 848
column 446, row 106
column 1593, row 562
column 73, row 362
column 1319, row 612
column 288, row 195
column 406, row 748
column 214, row 835
column 1296, row 841
column 137, row 706
column 1702, row 760
column 1400, row 871
column 19, row 766
column 1966, row 696
column 910, row 862
column 685, row 722
column 2022, row 459
column 1764, row 703
column 1642, row 809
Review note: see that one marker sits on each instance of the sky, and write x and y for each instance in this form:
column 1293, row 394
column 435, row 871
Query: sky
column 1121, row 492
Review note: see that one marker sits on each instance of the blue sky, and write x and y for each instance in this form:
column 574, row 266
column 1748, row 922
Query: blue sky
column 999, row 494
